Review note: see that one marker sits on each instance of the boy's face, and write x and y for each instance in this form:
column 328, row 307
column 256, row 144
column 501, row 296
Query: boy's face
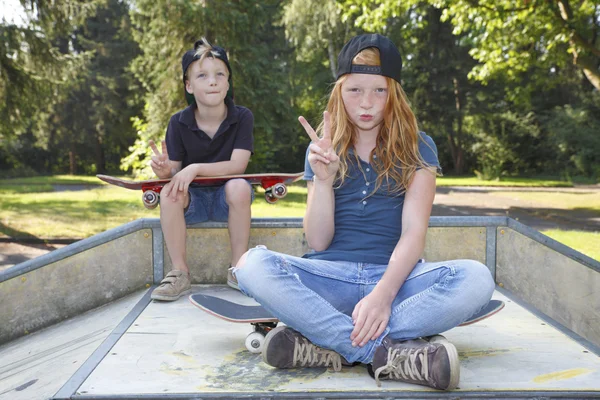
column 208, row 81
column 364, row 97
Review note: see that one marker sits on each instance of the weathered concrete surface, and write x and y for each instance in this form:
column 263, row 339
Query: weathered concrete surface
column 174, row 348
column 37, row 365
column 76, row 284
column 451, row 243
column 209, row 252
column 558, row 286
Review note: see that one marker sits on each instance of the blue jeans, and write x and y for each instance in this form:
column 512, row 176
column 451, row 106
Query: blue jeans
column 317, row 297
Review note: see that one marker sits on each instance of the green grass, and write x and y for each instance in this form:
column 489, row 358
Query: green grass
column 520, row 182
column 581, row 202
column 587, row 243
column 35, row 210
column 53, row 180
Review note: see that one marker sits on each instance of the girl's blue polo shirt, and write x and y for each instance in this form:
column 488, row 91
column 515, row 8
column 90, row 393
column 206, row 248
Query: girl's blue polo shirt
column 367, row 229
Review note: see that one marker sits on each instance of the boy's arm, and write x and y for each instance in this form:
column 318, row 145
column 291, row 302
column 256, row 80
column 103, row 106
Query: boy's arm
column 236, row 165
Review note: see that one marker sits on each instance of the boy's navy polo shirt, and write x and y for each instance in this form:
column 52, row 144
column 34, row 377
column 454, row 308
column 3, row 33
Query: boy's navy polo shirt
column 367, row 229
column 190, row 145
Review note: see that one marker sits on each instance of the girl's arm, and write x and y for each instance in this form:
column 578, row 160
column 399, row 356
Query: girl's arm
column 318, row 222
column 415, row 220
column 371, row 314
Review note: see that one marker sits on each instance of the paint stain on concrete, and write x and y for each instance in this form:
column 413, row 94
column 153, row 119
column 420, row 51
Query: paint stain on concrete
column 466, row 354
column 172, row 370
column 245, row 371
column 561, row 375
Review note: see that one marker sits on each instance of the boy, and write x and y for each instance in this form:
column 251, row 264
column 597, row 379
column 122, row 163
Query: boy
column 363, row 295
column 211, row 137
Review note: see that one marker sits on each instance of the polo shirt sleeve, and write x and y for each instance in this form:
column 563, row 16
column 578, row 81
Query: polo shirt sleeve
column 308, row 172
column 174, row 141
column 429, row 152
column 244, row 138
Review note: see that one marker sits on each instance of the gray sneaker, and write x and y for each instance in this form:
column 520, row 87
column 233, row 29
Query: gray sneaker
column 434, row 364
column 231, row 279
column 287, row 348
column 175, row 285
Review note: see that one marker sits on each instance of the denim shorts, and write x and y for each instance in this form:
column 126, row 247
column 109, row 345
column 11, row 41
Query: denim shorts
column 208, row 203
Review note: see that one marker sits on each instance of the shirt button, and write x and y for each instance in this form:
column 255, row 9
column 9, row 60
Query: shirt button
column 367, row 183
column 364, row 202
column 368, row 170
column 364, row 192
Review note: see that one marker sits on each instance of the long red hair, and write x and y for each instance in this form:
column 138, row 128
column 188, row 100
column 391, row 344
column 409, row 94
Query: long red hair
column 397, row 147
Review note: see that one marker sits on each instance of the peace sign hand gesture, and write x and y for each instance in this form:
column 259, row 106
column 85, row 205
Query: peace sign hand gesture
column 322, row 157
column 160, row 161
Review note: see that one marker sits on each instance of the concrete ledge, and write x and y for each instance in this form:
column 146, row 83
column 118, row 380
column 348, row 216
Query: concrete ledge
column 557, row 284
column 72, row 285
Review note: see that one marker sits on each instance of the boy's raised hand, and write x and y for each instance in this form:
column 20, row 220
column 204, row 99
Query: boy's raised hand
column 160, row 161
column 322, row 157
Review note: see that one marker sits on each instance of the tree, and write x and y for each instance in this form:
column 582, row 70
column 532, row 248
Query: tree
column 315, row 25
column 511, row 37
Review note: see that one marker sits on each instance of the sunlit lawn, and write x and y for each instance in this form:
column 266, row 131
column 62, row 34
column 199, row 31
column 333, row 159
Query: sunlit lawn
column 35, row 211
column 587, row 243
column 586, row 201
column 29, row 208
column 520, row 182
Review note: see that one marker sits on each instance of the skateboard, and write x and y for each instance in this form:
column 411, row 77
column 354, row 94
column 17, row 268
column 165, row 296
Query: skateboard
column 263, row 321
column 274, row 185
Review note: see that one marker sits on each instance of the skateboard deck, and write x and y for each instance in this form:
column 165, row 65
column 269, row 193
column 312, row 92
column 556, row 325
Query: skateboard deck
column 263, row 321
column 274, row 185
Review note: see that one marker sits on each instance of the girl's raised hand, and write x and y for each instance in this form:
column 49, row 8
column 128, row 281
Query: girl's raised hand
column 322, row 157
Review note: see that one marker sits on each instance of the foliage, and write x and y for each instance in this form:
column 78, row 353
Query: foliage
column 573, row 132
column 503, row 88
column 507, row 37
column 76, row 111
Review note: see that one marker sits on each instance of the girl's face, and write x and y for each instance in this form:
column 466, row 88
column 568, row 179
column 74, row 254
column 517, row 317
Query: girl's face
column 208, row 81
column 364, row 98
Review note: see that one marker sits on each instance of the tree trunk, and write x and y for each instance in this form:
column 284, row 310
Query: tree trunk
column 589, row 69
column 72, row 165
column 579, row 43
column 458, row 152
column 100, row 160
column 332, row 57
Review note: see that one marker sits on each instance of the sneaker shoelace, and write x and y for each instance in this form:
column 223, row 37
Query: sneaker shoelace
column 402, row 364
column 307, row 354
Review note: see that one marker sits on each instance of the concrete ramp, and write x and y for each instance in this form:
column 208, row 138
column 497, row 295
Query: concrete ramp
column 104, row 338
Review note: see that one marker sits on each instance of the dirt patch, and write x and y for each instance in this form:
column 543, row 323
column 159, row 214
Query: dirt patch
column 16, row 253
column 461, row 201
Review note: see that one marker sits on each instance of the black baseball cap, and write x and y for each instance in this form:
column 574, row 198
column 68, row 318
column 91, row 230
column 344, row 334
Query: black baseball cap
column 190, row 56
column 391, row 60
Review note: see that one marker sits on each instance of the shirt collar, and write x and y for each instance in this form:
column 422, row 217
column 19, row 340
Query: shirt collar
column 187, row 115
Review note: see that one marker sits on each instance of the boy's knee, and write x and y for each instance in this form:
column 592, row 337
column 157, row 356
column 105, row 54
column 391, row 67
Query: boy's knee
column 180, row 202
column 237, row 191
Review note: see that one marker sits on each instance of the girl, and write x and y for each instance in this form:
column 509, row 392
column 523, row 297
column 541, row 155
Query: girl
column 363, row 295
